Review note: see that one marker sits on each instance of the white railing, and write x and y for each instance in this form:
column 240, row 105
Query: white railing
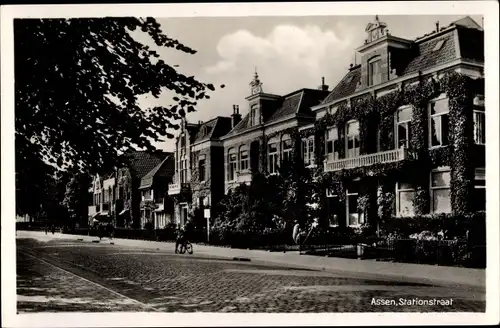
column 389, row 156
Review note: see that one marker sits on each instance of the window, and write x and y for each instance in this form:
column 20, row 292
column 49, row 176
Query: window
column 334, row 207
column 438, row 45
column 354, row 216
column 479, row 127
column 202, row 167
column 272, row 153
column 403, row 127
column 332, row 144
column 232, row 162
column 352, row 132
column 440, row 191
column 439, row 122
column 184, row 171
column 404, row 201
column 286, row 148
column 480, row 190
column 308, row 151
column 254, row 115
column 374, row 76
column 244, row 160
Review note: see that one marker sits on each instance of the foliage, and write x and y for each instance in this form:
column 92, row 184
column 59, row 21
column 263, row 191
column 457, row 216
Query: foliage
column 76, row 198
column 77, row 83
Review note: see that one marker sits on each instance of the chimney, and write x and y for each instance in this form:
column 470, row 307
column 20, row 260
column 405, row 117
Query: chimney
column 323, row 86
column 236, row 116
column 437, row 26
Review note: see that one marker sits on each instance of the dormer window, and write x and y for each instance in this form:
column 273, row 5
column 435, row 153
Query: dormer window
column 374, row 73
column 438, row 45
column 254, row 115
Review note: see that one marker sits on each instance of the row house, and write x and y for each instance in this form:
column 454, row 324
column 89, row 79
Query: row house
column 360, row 146
column 102, row 207
column 118, row 196
column 156, row 207
column 262, row 140
column 394, row 136
column 199, row 166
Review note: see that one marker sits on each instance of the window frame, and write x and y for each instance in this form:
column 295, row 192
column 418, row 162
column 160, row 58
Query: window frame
column 482, row 137
column 406, row 122
column 371, row 81
column 202, row 169
column 441, row 97
column 361, row 217
column 335, row 138
column 286, row 153
column 357, row 153
column 244, row 163
column 272, row 157
column 308, row 151
column 329, row 196
column 433, row 188
column 232, row 164
column 398, row 203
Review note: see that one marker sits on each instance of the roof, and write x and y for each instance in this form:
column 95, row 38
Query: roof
column 164, row 169
column 426, row 54
column 141, row 162
column 297, row 102
column 346, row 86
column 215, row 128
column 427, row 57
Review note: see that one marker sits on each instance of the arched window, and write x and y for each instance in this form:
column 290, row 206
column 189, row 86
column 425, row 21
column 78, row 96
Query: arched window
column 244, row 158
column 273, row 156
column 286, row 148
column 254, row 115
column 231, row 166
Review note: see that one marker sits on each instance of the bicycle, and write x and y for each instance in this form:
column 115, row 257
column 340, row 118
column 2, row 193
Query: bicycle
column 186, row 246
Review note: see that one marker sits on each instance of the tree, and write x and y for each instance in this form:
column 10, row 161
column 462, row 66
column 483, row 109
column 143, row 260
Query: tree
column 76, row 88
column 76, row 198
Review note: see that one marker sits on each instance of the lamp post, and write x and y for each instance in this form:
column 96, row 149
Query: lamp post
column 206, row 214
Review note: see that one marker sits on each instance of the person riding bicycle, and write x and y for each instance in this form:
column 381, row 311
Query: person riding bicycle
column 181, row 238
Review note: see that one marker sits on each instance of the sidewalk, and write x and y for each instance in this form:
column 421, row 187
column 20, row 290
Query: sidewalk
column 430, row 274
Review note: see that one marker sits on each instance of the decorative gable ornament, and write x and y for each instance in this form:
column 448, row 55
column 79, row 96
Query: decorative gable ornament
column 375, row 30
column 256, row 84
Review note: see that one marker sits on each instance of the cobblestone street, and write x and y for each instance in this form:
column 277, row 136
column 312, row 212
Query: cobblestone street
column 70, row 275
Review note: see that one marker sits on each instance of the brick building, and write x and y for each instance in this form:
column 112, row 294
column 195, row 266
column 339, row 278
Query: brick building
column 263, row 139
column 404, row 130
column 199, row 166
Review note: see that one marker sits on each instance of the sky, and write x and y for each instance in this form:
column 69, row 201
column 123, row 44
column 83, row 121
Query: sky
column 289, row 53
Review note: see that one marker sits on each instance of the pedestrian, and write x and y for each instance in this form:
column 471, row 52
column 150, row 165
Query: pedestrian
column 298, row 235
column 46, row 228
column 180, row 239
column 53, row 228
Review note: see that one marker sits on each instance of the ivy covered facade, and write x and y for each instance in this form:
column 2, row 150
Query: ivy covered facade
column 402, row 134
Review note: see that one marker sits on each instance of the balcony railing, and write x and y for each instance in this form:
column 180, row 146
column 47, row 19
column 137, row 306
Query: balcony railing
column 389, row 156
column 177, row 188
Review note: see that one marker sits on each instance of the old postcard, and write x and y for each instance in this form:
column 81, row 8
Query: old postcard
column 250, row 164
